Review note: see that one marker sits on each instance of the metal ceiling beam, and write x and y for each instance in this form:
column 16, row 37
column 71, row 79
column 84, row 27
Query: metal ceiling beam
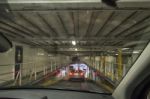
column 86, row 39
column 3, row 30
column 76, row 21
column 91, row 23
column 83, row 46
column 19, row 25
column 73, row 21
column 98, row 53
column 15, row 36
column 79, row 9
column 79, row 53
column 117, row 43
column 27, row 43
column 8, row 35
column 134, row 25
column 141, row 34
column 75, row 52
column 27, row 29
column 138, row 30
column 51, row 1
column 105, row 23
column 41, row 42
column 62, row 23
column 34, row 25
column 16, row 29
column 54, row 33
column 23, row 41
column 126, row 19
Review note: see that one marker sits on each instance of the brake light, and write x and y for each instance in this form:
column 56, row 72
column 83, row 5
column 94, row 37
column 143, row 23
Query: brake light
column 81, row 74
column 70, row 73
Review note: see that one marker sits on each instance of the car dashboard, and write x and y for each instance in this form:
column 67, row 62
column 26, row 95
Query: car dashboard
column 49, row 94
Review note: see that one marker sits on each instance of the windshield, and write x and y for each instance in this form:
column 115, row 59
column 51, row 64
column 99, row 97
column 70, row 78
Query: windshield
column 75, row 45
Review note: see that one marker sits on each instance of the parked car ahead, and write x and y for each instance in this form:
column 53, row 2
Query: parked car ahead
column 76, row 75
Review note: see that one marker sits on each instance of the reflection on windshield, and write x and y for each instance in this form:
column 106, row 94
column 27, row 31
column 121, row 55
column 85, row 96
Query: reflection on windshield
column 88, row 50
column 148, row 95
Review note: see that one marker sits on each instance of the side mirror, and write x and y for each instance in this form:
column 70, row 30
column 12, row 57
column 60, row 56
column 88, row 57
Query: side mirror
column 5, row 44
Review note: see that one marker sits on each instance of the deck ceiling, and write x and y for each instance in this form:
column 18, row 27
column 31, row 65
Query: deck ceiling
column 93, row 30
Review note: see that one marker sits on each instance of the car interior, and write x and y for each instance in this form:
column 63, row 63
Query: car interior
column 134, row 85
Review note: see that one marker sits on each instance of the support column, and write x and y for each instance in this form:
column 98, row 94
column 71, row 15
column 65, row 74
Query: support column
column 51, row 66
column 93, row 61
column 120, row 66
column 99, row 63
column 104, row 64
column 35, row 71
column 55, row 65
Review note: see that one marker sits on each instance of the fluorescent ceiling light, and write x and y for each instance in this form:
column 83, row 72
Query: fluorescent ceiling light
column 40, row 54
column 73, row 42
column 125, row 48
column 49, row 55
column 136, row 52
column 76, row 49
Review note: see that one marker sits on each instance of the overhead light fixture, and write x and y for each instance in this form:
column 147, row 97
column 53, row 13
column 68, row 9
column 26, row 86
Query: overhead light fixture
column 125, row 48
column 116, row 54
column 76, row 49
column 136, row 52
column 49, row 55
column 40, row 54
column 73, row 42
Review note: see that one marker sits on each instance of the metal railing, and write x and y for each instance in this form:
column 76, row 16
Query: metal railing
column 107, row 72
column 28, row 72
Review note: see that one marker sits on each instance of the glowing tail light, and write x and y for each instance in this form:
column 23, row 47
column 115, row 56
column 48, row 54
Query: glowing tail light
column 70, row 73
column 81, row 74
